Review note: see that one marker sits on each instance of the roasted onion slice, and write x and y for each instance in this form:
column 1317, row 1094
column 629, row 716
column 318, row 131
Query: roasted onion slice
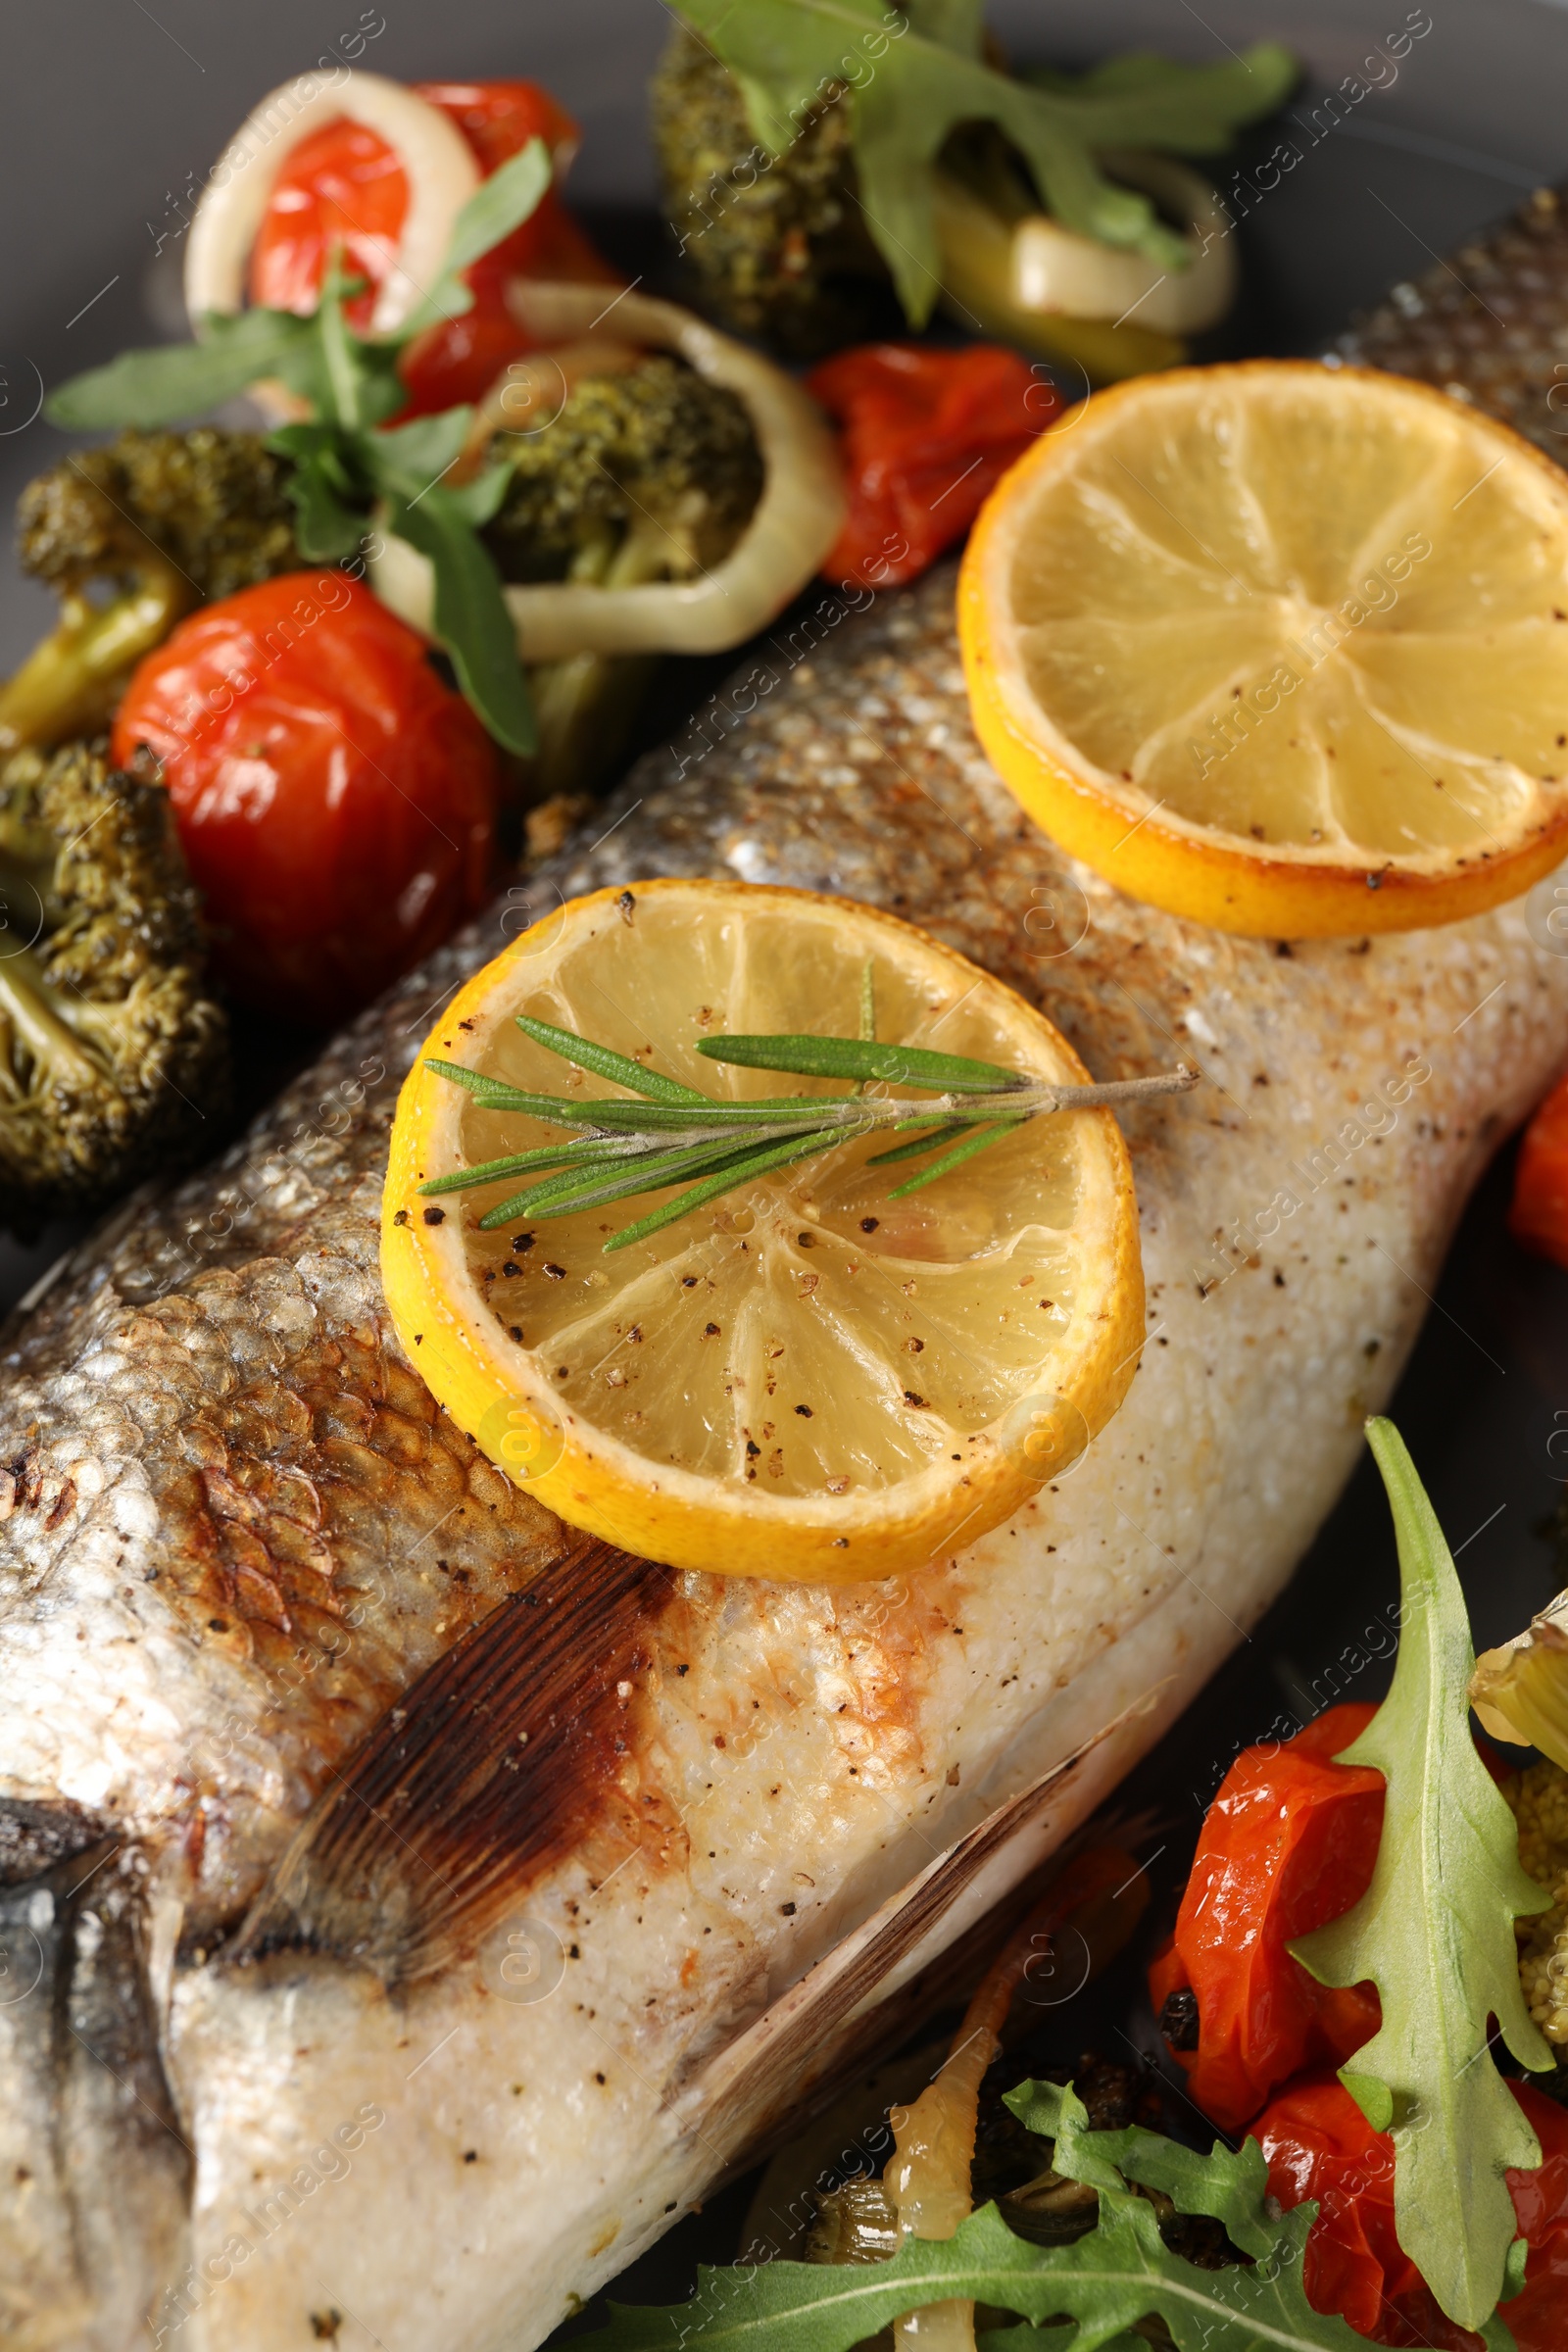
column 794, row 522
column 438, row 162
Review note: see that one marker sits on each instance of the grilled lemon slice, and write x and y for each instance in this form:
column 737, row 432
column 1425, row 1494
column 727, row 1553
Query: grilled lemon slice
column 804, row 1379
column 1280, row 647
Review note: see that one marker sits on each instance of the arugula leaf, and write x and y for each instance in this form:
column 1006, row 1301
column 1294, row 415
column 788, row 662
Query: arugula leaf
column 469, row 614
column 159, row 387
column 325, row 489
column 1121, row 2273
column 1228, row 2187
column 1434, row 1932
column 411, row 458
column 510, row 195
column 914, row 76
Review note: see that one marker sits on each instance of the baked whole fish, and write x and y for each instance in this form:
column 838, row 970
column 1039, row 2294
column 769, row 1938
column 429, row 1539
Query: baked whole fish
column 410, row 1909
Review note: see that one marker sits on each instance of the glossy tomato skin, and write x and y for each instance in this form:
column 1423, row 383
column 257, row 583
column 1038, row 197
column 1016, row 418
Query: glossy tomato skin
column 925, row 437
column 335, row 799
column 343, row 186
column 345, row 183
column 1318, row 2144
column 1289, row 1843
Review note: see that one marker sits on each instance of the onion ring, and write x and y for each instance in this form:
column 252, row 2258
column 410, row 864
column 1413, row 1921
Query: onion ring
column 796, row 521
column 1054, row 270
column 441, row 169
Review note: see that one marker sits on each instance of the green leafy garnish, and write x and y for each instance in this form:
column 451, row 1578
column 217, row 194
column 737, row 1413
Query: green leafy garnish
column 500, row 204
column 673, row 1135
column 914, row 76
column 346, row 457
column 1434, row 1934
column 1121, row 2273
column 159, row 387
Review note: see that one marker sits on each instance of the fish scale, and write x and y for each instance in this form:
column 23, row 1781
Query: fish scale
column 246, row 1559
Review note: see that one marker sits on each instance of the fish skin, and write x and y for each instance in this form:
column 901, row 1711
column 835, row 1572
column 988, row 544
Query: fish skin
column 157, row 1418
column 1486, row 323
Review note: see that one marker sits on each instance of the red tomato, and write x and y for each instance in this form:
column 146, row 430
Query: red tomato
column 342, row 186
column 926, row 436
column 346, row 183
column 1538, row 1216
column 1289, row 1843
column 335, row 799
column 1319, row 2144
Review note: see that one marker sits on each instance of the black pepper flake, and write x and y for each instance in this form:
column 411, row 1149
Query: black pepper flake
column 553, row 1273
column 915, row 1346
column 562, row 1371
column 515, row 1332
column 841, row 1542
column 683, row 1670
column 804, row 1411
column 869, row 1224
column 419, row 1339
column 806, row 1240
column 753, row 1450
column 521, row 1243
column 600, row 2078
column 688, row 1282
column 435, row 1216
column 402, row 1217
column 511, row 1267
column 471, row 2155
column 628, row 907
column 909, row 1398
column 217, row 1625
column 788, row 1910
column 709, row 1331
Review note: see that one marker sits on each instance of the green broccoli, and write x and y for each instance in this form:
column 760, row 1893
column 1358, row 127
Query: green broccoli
column 777, row 248
column 164, row 522
column 650, row 473
column 112, row 1054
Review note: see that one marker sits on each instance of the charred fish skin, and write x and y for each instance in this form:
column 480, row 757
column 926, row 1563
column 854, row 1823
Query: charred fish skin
column 785, row 1760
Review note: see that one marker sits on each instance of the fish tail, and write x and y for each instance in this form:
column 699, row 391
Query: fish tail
column 95, row 2172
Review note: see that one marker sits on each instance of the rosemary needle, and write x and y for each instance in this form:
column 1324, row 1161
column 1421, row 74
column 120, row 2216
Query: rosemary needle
column 671, row 1134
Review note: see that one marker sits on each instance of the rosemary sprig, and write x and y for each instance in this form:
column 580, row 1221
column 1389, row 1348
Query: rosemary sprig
column 672, row 1135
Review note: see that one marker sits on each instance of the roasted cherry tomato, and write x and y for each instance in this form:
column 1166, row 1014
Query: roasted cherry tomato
column 335, row 797
column 1319, row 2144
column 345, row 184
column 1289, row 1843
column 1539, row 1215
column 925, row 435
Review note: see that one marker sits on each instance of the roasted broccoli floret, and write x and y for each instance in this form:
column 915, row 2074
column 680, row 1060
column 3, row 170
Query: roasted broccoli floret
column 112, row 1054
column 776, row 245
column 650, row 473
column 160, row 522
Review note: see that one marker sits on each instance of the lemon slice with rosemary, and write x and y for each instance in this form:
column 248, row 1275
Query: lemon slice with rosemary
column 1282, row 648
column 802, row 1375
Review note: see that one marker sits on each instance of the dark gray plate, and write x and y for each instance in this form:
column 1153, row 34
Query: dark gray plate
column 106, row 110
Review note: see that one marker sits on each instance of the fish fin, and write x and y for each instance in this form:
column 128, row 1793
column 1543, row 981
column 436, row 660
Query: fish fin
column 94, row 2223
column 494, row 1764
column 909, row 1957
